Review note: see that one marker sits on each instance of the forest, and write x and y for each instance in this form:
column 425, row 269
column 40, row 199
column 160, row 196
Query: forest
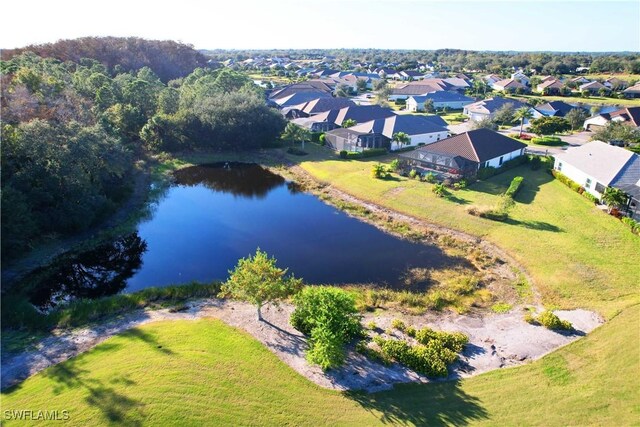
column 74, row 130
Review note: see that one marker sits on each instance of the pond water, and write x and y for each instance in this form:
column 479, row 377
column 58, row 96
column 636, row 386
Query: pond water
column 215, row 214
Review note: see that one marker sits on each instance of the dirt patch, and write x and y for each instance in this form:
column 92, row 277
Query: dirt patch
column 495, row 341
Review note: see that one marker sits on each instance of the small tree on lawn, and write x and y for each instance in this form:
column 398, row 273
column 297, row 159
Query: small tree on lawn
column 523, row 113
column 549, row 125
column 614, row 198
column 294, row 133
column 401, row 138
column 257, row 280
column 576, row 117
column 428, row 106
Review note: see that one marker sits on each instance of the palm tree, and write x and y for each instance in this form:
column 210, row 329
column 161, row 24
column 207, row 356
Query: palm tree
column 401, row 138
column 614, row 198
column 294, row 133
column 523, row 113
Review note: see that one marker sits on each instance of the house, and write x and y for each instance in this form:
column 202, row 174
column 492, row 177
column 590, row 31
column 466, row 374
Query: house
column 464, row 154
column 629, row 116
column 551, row 86
column 488, row 107
column 491, row 79
column 299, row 98
column 457, row 83
column 597, row 165
column 614, row 83
column 521, row 77
column 452, row 100
column 632, row 91
column 556, row 108
column 509, row 85
column 359, row 113
column 593, row 87
column 353, row 140
column 580, row 80
column 420, row 129
column 409, row 75
column 308, row 86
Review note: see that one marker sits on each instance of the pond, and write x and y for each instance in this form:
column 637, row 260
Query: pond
column 215, row 214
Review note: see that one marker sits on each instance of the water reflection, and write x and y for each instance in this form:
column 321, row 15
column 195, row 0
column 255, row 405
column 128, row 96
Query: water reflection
column 239, row 179
column 100, row 272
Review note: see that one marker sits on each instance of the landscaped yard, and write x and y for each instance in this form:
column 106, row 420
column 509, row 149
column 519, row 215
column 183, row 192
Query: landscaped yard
column 577, row 255
column 206, row 373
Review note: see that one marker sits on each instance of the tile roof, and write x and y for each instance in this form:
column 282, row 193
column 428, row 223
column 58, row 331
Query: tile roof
column 633, row 89
column 491, row 105
column 359, row 113
column 509, row 83
column 325, row 104
column 629, row 114
column 477, row 146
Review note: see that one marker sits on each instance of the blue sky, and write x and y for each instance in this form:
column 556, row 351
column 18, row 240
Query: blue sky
column 387, row 24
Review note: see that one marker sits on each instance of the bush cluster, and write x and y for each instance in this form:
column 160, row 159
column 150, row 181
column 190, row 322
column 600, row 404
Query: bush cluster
column 363, row 154
column 547, row 140
column 432, row 355
column 328, row 316
column 549, row 320
column 632, row 224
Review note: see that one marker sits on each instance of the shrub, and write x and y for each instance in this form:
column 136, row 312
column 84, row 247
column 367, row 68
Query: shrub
column 296, row 151
column 322, row 139
column 394, row 165
column 487, row 172
column 515, row 185
column 460, row 185
column 330, row 318
column 371, row 325
column 501, row 307
column 547, row 140
column 398, row 324
column 343, row 154
column 632, row 224
column 430, row 177
column 374, row 152
column 378, row 171
column 550, row 321
column 315, row 136
column 439, row 190
column 413, row 173
column 411, row 331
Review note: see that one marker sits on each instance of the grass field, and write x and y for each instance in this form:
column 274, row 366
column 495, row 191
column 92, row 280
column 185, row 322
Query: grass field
column 577, row 255
column 207, row 373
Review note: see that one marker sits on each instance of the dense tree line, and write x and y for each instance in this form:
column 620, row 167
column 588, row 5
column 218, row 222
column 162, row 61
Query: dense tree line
column 455, row 60
column 167, row 58
column 72, row 132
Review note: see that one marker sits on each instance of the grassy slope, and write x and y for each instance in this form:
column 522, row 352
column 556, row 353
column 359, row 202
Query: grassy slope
column 578, row 256
column 207, row 373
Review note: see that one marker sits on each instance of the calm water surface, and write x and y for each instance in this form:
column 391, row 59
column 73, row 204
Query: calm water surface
column 214, row 215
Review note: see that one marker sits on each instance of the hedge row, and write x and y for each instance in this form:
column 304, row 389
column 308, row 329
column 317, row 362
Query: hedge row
column 573, row 185
column 547, row 140
column 360, row 155
column 515, row 185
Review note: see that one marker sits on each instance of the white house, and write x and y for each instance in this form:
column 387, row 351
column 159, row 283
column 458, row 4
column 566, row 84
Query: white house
column 420, row 129
column 596, row 165
column 488, row 107
column 442, row 99
column 521, row 77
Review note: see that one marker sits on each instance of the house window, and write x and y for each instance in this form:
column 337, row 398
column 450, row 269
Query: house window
column 587, row 184
column 600, row 188
column 559, row 166
column 500, row 162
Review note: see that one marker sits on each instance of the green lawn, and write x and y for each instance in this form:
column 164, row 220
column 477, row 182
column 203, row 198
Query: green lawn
column 206, row 373
column 577, row 255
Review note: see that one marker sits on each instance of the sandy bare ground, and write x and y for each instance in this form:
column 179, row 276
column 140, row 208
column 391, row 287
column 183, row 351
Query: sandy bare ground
column 495, row 341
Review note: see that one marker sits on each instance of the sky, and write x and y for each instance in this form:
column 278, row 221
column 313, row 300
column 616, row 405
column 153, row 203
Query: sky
column 543, row 25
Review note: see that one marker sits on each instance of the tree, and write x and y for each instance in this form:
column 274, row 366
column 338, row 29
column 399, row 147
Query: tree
column 614, row 198
column 361, row 84
column 617, row 132
column 523, row 113
column 505, row 114
column 576, row 117
column 257, row 280
column 294, row 133
column 484, row 123
column 479, row 85
column 348, row 123
column 428, row 106
column 401, row 138
column 549, row 125
column 603, row 91
column 342, row 90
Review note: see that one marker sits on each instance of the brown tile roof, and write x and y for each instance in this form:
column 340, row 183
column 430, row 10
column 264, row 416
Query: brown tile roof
column 477, row 145
column 551, row 84
column 509, row 83
column 630, row 114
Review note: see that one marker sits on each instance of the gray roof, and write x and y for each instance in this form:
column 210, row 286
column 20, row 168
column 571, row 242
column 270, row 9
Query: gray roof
column 319, row 105
column 359, row 113
column 443, row 96
column 411, row 125
column 492, row 105
column 628, row 179
column 300, row 97
column 598, row 159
